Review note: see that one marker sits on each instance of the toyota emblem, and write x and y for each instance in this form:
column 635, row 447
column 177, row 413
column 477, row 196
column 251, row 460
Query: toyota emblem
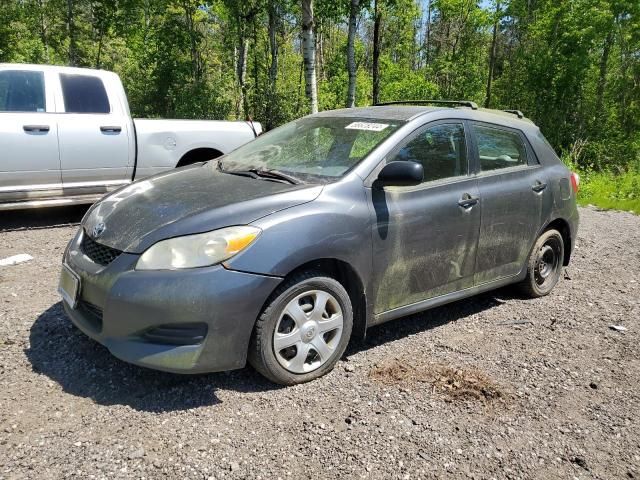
column 98, row 230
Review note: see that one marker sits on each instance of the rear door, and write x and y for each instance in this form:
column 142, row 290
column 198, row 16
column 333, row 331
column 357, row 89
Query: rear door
column 94, row 132
column 512, row 188
column 29, row 162
column 424, row 236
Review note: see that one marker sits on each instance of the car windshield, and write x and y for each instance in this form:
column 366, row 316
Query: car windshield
column 313, row 149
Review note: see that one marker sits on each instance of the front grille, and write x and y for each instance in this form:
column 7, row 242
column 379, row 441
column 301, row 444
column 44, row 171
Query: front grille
column 100, row 254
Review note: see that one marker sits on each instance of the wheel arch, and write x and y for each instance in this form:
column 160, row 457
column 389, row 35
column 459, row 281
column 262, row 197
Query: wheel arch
column 563, row 227
column 201, row 154
column 349, row 278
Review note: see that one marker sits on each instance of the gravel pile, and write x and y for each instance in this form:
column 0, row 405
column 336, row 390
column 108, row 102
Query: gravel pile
column 494, row 386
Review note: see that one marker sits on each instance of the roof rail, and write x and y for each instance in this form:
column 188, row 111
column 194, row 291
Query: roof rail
column 515, row 112
column 463, row 103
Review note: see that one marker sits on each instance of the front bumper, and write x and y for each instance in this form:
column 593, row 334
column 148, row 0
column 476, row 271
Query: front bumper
column 119, row 305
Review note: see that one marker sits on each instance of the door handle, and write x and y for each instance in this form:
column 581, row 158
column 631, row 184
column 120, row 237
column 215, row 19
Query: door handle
column 36, row 128
column 538, row 186
column 111, row 129
column 467, row 201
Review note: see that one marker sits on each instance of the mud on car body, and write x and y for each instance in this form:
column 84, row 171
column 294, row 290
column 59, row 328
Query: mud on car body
column 283, row 250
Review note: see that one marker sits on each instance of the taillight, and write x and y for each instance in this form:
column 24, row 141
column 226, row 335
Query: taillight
column 575, row 182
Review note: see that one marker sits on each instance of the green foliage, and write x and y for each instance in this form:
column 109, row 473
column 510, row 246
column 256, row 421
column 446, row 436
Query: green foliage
column 571, row 66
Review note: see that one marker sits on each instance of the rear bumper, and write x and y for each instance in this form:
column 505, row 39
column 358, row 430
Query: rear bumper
column 118, row 306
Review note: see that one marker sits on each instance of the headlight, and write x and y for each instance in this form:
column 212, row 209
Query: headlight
column 198, row 250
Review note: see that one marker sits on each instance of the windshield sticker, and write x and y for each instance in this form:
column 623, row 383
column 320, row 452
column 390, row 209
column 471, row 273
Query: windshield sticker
column 373, row 127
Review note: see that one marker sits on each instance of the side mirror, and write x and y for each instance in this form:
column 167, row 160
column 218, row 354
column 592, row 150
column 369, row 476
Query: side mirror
column 401, row 174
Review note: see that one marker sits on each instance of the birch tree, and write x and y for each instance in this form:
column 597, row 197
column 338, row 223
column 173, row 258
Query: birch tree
column 309, row 55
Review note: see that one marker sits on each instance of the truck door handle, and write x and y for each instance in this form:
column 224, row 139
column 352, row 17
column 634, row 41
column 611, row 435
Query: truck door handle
column 36, row 128
column 467, row 201
column 538, row 186
column 111, row 129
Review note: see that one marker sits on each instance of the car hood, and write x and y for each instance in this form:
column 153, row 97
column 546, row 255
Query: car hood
column 190, row 200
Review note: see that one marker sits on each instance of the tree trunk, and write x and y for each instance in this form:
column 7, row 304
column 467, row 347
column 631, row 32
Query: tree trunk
column 309, row 55
column 71, row 29
column 602, row 79
column 492, row 54
column 43, row 30
column 351, row 53
column 273, row 68
column 241, row 72
column 376, row 52
column 428, row 39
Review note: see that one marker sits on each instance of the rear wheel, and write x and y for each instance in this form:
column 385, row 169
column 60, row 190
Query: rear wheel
column 303, row 331
column 545, row 265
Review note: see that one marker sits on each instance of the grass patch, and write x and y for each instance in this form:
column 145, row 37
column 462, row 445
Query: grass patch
column 611, row 191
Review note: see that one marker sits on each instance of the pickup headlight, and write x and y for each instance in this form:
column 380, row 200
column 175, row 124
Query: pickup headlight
column 200, row 250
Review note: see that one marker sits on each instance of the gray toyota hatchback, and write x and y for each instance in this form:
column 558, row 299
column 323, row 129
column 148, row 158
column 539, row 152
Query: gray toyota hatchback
column 281, row 251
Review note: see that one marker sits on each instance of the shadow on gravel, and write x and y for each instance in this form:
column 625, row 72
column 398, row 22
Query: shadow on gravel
column 433, row 318
column 85, row 368
column 31, row 219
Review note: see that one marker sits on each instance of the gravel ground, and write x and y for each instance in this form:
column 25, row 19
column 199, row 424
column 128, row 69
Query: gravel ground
column 490, row 387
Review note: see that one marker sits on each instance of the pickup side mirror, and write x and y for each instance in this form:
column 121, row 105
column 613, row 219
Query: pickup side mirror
column 401, row 173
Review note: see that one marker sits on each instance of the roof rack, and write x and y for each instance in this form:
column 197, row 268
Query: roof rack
column 515, row 112
column 463, row 103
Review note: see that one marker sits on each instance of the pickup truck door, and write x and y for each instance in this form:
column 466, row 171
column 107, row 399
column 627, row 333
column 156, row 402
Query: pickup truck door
column 95, row 133
column 29, row 162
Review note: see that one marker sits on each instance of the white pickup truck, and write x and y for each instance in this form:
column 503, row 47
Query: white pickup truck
column 67, row 136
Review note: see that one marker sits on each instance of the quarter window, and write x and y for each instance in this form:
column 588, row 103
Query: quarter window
column 22, row 91
column 84, row 94
column 499, row 148
column 440, row 149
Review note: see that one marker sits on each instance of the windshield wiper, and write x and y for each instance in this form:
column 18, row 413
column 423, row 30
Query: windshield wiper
column 274, row 174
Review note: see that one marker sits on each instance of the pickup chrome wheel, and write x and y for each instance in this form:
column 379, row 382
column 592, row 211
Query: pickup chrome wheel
column 545, row 264
column 303, row 331
column 308, row 331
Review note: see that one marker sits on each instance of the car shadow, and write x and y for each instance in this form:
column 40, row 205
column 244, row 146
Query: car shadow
column 51, row 217
column 85, row 368
column 430, row 319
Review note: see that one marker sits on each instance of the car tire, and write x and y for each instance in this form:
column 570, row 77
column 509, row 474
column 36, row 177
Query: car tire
column 544, row 266
column 318, row 333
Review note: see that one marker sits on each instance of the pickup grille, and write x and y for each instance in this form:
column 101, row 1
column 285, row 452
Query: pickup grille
column 98, row 253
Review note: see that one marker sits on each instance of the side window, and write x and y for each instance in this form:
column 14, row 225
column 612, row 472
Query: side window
column 440, row 149
column 22, row 91
column 499, row 148
column 84, row 94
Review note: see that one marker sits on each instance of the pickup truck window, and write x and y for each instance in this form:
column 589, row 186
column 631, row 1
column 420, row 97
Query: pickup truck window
column 84, row 94
column 22, row 91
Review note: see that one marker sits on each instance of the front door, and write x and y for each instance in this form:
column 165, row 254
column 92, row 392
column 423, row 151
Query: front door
column 29, row 162
column 425, row 236
column 512, row 191
column 95, row 141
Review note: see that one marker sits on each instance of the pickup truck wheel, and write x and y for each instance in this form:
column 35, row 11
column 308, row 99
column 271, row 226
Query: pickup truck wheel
column 303, row 331
column 545, row 265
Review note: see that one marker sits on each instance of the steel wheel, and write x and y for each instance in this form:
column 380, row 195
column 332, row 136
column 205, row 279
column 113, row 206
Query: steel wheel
column 544, row 266
column 308, row 331
column 547, row 261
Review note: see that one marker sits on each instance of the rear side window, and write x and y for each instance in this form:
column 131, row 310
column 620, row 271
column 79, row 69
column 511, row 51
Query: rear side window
column 84, row 94
column 498, row 148
column 440, row 149
column 22, row 91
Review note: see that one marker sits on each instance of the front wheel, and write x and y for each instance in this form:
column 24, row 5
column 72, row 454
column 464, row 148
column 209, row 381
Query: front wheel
column 545, row 265
column 303, row 330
